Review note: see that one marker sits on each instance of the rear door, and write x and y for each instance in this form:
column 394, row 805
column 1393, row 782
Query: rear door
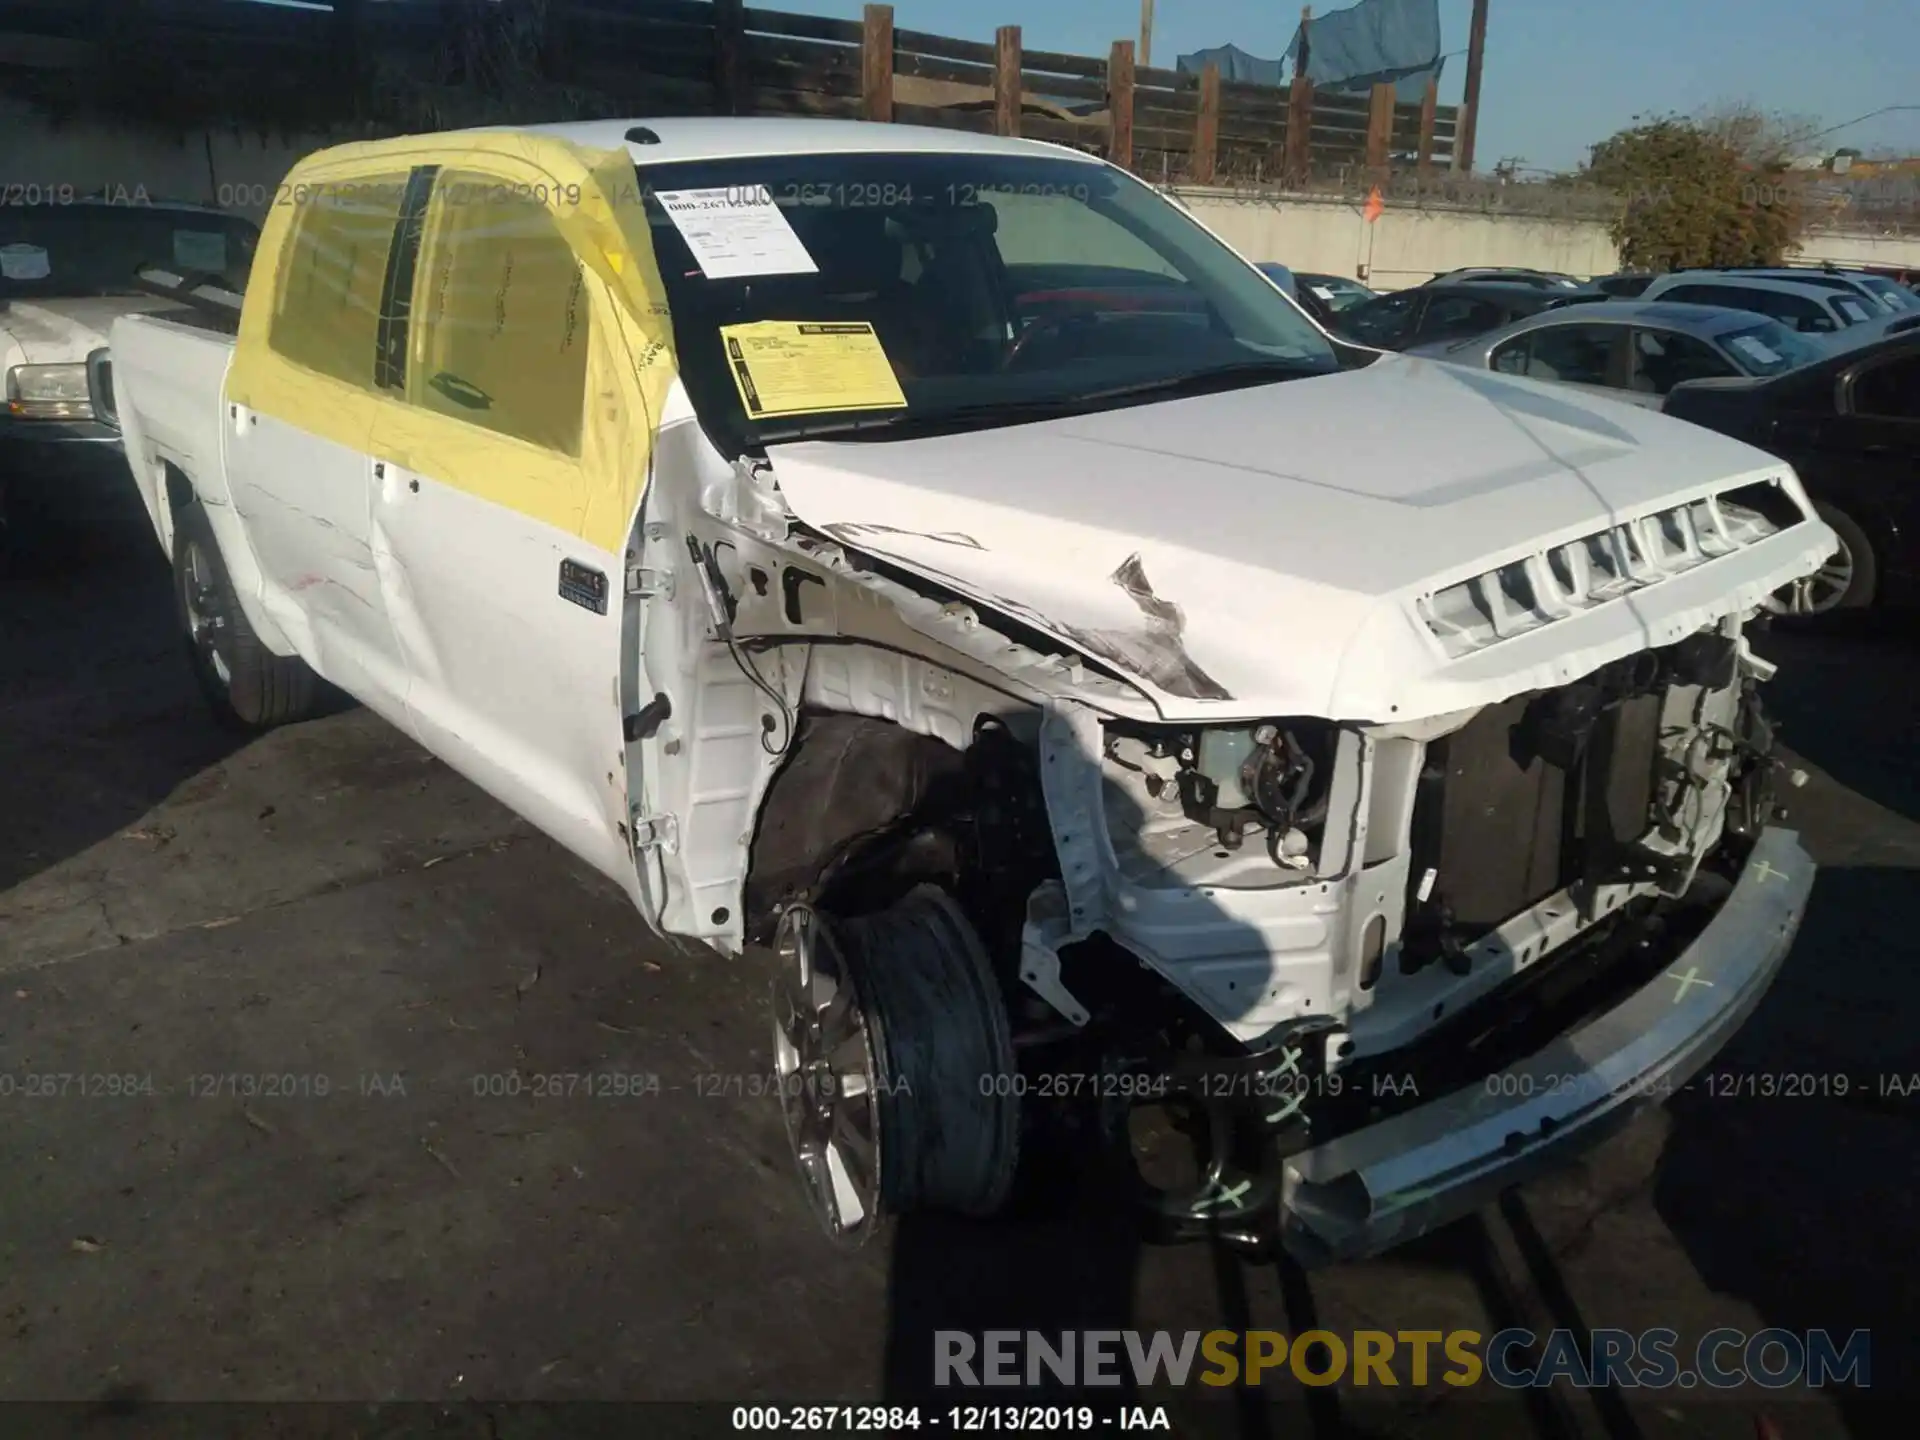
column 505, row 491
column 301, row 402
column 1874, row 448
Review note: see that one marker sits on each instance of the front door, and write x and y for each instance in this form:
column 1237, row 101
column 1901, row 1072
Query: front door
column 506, row 490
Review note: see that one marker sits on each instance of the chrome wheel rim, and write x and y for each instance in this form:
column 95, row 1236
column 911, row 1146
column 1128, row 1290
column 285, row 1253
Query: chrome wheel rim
column 206, row 625
column 824, row 1062
column 1819, row 592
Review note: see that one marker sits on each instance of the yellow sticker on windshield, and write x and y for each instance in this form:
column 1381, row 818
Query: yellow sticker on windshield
column 788, row 367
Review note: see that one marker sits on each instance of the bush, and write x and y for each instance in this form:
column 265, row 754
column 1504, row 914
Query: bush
column 1696, row 193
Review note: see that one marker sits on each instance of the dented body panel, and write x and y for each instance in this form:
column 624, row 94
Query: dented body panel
column 1276, row 550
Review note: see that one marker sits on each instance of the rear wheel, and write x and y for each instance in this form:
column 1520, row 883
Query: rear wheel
column 895, row 1063
column 245, row 684
column 1846, row 580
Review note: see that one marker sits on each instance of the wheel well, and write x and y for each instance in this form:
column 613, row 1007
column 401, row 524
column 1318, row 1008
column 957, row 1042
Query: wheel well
column 180, row 492
column 865, row 809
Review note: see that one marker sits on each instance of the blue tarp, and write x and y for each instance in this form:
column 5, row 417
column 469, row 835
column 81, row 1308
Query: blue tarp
column 1393, row 42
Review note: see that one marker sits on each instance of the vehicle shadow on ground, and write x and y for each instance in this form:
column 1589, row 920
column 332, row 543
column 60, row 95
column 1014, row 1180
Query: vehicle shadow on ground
column 99, row 716
column 1817, row 1093
column 1845, row 699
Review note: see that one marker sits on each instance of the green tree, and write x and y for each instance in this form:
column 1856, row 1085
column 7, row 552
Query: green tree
column 1696, row 192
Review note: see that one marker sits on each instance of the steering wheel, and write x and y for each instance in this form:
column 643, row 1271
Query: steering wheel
column 1053, row 324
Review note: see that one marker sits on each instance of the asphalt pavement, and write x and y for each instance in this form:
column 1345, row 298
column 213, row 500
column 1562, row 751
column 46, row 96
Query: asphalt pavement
column 327, row 1001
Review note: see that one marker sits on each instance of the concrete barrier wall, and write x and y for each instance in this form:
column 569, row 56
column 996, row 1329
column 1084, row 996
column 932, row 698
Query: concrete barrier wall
column 1404, row 246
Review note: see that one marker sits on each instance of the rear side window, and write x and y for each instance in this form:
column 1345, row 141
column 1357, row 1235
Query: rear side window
column 1382, row 321
column 1662, row 359
column 1456, row 317
column 326, row 312
column 501, row 319
column 1573, row 354
column 1796, row 312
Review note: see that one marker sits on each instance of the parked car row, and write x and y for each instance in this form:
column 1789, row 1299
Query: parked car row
column 1443, row 311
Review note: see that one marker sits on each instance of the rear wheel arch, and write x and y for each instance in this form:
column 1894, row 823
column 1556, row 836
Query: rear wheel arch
column 246, row 685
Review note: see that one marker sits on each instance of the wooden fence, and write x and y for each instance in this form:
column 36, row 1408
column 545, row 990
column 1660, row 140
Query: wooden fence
column 701, row 57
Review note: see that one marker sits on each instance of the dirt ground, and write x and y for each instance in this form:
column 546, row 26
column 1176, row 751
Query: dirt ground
column 330, row 906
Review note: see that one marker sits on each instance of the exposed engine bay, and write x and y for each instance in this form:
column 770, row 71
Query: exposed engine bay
column 1216, row 788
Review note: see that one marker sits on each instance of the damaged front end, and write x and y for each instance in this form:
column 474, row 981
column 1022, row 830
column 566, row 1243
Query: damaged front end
column 1379, row 912
column 1359, row 923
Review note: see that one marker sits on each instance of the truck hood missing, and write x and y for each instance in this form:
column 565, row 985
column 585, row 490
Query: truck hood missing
column 1380, row 545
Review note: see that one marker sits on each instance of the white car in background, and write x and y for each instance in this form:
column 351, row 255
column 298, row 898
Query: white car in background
column 940, row 558
column 1809, row 309
column 1894, row 299
column 68, row 270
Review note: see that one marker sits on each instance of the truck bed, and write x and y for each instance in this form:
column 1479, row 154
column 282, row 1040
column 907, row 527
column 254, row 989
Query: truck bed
column 169, row 376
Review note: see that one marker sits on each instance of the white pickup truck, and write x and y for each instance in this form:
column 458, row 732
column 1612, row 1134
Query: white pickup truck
column 943, row 561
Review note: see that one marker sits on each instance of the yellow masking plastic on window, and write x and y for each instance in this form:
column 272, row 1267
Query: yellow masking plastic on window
column 501, row 333
column 327, row 287
column 603, row 311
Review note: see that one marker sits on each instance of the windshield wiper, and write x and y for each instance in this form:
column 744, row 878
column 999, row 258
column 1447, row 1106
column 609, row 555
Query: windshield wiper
column 900, row 424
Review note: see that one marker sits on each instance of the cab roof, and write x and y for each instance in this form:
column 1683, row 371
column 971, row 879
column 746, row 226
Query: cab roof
column 743, row 137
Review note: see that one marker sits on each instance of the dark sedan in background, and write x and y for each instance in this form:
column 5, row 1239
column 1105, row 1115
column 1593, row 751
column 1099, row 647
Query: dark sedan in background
column 1440, row 311
column 1849, row 425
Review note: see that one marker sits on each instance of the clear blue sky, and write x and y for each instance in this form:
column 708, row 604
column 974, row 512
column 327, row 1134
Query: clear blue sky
column 1560, row 74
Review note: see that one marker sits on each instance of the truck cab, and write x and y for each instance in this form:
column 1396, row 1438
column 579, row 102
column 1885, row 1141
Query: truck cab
column 941, row 566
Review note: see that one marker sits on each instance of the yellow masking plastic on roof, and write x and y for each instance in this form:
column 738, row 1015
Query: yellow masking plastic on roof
column 531, row 361
column 794, row 367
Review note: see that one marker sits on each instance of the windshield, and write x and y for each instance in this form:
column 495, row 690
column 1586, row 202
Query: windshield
column 814, row 294
column 75, row 251
column 1770, row 348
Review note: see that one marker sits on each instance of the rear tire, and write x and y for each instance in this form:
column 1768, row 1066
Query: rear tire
column 246, row 685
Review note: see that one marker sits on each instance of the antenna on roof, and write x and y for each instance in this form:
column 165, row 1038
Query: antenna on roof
column 641, row 135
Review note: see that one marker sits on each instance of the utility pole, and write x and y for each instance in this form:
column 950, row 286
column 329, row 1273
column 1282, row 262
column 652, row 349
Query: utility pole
column 1470, row 104
column 1300, row 56
column 1146, row 33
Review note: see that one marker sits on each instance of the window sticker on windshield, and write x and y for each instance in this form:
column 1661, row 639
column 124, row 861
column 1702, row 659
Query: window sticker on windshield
column 200, row 250
column 1325, row 292
column 1754, row 350
column 24, row 262
column 784, row 367
column 736, row 231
